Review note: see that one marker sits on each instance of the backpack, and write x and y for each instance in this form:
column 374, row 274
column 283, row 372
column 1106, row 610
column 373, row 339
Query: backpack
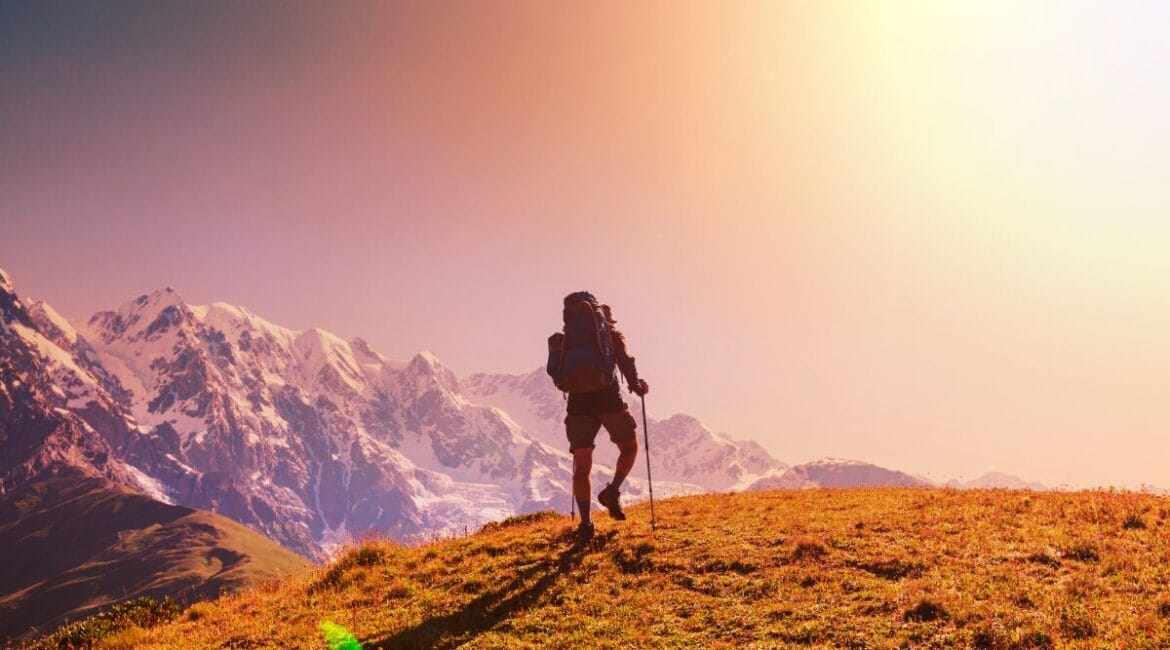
column 581, row 360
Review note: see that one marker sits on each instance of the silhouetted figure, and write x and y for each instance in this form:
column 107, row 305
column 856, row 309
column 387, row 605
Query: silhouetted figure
column 583, row 360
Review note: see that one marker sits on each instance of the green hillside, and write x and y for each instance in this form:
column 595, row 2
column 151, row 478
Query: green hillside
column 864, row 568
column 71, row 545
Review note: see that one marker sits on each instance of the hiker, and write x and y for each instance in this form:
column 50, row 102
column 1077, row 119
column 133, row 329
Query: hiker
column 582, row 362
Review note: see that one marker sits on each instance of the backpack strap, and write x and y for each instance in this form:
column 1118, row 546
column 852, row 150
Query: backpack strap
column 601, row 322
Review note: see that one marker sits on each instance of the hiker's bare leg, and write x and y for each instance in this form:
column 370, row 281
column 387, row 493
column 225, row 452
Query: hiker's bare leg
column 627, row 454
column 582, row 467
column 610, row 497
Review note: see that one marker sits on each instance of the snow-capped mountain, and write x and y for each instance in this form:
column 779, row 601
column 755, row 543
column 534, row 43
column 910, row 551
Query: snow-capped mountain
column 73, row 537
column 996, row 480
column 683, row 450
column 836, row 472
column 39, row 436
column 310, row 438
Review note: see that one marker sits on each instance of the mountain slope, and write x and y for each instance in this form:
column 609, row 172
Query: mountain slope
column 818, row 568
column 72, row 544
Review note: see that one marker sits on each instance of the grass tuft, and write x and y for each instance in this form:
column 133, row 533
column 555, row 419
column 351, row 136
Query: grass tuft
column 342, row 571
column 1133, row 522
column 808, row 549
column 521, row 520
column 925, row 610
column 1045, row 559
column 137, row 613
column 1083, row 552
column 890, row 569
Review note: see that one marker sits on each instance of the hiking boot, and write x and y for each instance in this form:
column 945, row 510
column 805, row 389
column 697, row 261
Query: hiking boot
column 584, row 532
column 609, row 498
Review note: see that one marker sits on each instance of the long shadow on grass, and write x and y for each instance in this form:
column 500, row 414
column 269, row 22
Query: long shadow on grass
column 487, row 610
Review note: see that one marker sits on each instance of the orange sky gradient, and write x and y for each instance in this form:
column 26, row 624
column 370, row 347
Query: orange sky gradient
column 929, row 235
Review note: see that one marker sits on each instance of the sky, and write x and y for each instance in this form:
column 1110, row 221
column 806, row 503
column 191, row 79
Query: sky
column 933, row 236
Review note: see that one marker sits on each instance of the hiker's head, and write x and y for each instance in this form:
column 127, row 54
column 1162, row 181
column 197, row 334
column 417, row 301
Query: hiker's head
column 577, row 297
column 576, row 301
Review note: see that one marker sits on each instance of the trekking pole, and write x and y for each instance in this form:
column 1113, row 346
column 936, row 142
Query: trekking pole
column 649, row 481
column 573, row 497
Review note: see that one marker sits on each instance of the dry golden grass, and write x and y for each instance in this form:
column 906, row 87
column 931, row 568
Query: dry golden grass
column 867, row 568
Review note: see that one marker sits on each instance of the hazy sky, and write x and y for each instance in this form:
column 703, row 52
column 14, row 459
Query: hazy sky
column 935, row 236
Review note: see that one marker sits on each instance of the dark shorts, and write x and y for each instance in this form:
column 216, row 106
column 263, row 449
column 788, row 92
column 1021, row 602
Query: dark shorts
column 582, row 429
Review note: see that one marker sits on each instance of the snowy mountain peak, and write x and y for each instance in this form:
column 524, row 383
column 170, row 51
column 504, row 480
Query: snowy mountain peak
column 11, row 309
column 997, row 479
column 330, row 361
column 52, row 324
column 155, row 301
column 316, row 340
column 6, row 282
column 426, row 365
column 365, row 351
column 225, row 315
column 684, row 421
column 837, row 473
column 836, row 462
column 426, row 360
column 145, row 317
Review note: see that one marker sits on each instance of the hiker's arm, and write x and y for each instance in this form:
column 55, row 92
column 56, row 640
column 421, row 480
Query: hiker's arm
column 625, row 362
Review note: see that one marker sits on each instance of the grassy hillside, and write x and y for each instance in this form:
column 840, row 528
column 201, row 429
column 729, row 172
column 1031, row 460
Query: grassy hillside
column 71, row 545
column 865, row 568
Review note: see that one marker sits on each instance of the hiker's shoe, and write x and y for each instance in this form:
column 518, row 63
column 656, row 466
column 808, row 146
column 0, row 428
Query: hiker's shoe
column 609, row 498
column 584, row 533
